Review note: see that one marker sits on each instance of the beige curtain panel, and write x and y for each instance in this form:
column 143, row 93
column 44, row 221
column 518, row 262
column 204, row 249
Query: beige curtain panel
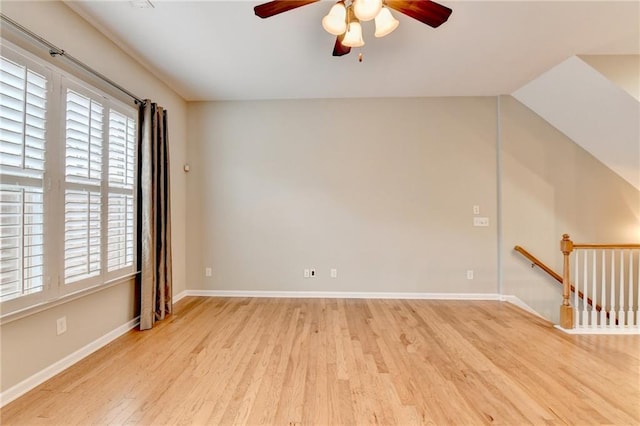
column 154, row 216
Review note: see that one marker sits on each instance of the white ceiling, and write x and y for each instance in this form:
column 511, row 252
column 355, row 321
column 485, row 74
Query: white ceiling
column 219, row 50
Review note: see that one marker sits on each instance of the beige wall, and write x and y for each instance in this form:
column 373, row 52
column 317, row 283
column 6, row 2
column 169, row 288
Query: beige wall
column 551, row 186
column 381, row 189
column 30, row 344
column 624, row 70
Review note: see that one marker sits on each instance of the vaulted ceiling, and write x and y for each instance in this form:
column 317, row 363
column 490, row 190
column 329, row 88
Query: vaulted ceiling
column 219, row 50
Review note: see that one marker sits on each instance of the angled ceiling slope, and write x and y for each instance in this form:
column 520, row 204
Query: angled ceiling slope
column 592, row 111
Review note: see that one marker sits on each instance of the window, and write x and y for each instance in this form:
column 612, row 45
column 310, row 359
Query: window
column 68, row 172
column 24, row 92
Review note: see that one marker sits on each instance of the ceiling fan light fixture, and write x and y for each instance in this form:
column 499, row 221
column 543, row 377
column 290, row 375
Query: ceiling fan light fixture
column 366, row 10
column 343, row 19
column 353, row 36
column 385, row 23
column 336, row 20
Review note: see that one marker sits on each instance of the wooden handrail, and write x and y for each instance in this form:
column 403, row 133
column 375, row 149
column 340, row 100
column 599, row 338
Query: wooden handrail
column 536, row 262
column 605, row 246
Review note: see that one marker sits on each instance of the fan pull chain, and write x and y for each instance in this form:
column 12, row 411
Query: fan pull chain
column 359, row 57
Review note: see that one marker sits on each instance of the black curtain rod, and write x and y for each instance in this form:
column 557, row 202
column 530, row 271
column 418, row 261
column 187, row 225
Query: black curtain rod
column 55, row 51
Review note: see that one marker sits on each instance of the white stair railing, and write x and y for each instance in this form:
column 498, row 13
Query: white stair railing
column 606, row 278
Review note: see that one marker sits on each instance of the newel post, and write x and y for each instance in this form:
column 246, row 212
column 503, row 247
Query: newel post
column 566, row 311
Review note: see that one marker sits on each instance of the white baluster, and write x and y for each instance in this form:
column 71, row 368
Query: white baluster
column 603, row 292
column 638, row 291
column 621, row 321
column 630, row 321
column 594, row 313
column 635, row 301
column 585, row 288
column 612, row 284
column 576, row 285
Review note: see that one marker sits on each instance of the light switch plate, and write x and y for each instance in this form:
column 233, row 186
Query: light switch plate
column 480, row 221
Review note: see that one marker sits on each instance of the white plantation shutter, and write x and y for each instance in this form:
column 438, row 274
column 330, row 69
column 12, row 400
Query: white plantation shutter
column 22, row 265
column 22, row 111
column 120, row 248
column 83, row 175
column 121, row 216
column 83, row 139
column 122, row 139
column 23, row 106
column 81, row 235
column 99, row 188
column 68, row 184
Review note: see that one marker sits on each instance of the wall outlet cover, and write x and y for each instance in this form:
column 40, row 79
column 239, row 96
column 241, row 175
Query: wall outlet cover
column 61, row 325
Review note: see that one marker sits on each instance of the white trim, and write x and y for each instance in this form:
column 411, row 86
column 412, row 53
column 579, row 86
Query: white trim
column 48, row 304
column 338, row 295
column 499, row 233
column 589, row 330
column 43, row 375
column 180, row 296
column 515, row 300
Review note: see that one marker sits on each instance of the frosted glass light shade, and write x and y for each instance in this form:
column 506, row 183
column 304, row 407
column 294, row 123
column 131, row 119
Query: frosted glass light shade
column 385, row 23
column 353, row 37
column 336, row 20
column 366, row 10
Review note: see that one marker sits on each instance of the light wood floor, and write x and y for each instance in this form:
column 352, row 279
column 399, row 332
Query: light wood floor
column 330, row 362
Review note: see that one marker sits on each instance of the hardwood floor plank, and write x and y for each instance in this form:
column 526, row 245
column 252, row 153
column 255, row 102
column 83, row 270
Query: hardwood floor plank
column 344, row 362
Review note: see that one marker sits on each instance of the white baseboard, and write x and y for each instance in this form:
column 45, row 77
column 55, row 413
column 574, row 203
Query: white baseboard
column 589, row 330
column 43, row 375
column 359, row 295
column 180, row 295
column 337, row 295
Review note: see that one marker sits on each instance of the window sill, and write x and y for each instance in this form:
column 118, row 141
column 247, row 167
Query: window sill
column 40, row 307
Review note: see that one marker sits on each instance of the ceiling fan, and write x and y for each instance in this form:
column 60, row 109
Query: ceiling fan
column 343, row 20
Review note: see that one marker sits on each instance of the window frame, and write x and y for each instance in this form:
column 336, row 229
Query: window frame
column 55, row 290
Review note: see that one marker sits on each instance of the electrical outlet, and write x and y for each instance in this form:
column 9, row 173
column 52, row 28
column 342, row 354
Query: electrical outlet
column 61, row 325
column 207, row 272
column 470, row 274
column 333, row 273
column 307, row 273
column 476, row 209
column 313, row 273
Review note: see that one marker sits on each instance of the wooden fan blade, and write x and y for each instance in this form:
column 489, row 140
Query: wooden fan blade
column 340, row 49
column 275, row 7
column 425, row 11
